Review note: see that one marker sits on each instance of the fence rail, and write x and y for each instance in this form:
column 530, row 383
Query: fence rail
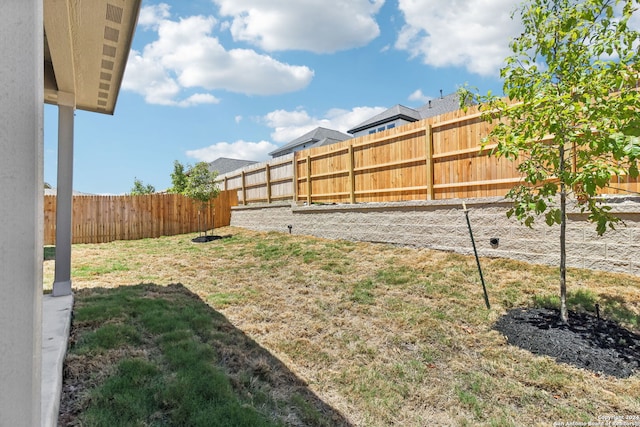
column 100, row 219
column 442, row 157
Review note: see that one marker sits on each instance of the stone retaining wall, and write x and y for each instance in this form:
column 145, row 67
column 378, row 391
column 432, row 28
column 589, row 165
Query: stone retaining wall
column 442, row 225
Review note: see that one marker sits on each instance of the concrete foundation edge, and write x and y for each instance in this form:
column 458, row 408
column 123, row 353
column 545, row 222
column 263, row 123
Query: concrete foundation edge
column 56, row 325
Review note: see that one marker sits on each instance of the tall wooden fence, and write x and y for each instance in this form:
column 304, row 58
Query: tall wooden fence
column 100, row 219
column 437, row 158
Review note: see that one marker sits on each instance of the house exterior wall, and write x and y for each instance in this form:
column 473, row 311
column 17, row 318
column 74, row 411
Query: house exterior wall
column 21, row 211
column 441, row 225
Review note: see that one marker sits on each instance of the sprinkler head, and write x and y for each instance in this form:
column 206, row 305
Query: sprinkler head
column 289, row 227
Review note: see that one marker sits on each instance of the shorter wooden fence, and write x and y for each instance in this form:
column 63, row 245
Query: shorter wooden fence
column 265, row 182
column 101, row 219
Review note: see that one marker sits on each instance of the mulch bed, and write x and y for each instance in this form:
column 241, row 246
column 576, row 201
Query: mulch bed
column 205, row 239
column 598, row 345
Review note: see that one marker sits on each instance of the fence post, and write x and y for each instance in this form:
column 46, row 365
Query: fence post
column 352, row 177
column 244, row 188
column 429, row 143
column 309, row 180
column 294, row 162
column 267, row 172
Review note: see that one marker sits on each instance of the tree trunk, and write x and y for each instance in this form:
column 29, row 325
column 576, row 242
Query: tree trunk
column 564, row 317
column 206, row 225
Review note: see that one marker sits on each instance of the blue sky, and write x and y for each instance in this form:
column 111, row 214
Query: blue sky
column 239, row 78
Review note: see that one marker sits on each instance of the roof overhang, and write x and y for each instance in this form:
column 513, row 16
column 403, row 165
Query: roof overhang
column 382, row 121
column 86, row 46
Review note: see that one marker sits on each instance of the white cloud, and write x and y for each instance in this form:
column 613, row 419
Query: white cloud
column 419, row 96
column 199, row 98
column 187, row 55
column 321, row 26
column 289, row 125
column 238, row 119
column 151, row 16
column 473, row 34
column 244, row 150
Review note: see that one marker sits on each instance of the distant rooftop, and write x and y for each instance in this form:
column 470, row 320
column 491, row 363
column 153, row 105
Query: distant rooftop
column 225, row 165
column 440, row 105
column 54, row 192
column 315, row 138
column 432, row 108
column 396, row 112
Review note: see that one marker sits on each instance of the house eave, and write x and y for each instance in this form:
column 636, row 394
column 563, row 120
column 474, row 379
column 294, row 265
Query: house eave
column 87, row 45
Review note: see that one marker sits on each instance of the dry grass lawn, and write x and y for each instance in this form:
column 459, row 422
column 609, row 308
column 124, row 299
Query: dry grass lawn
column 385, row 335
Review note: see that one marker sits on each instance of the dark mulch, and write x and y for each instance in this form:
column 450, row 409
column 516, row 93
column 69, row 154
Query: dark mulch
column 205, row 239
column 599, row 345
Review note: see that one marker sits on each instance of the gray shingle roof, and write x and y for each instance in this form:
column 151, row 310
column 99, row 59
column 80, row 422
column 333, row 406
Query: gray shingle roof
column 441, row 105
column 225, row 165
column 312, row 138
column 432, row 108
column 396, row 112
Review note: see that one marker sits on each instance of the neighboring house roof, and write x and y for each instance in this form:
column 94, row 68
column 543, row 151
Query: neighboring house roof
column 54, row 192
column 225, row 165
column 315, row 138
column 440, row 105
column 432, row 108
column 396, row 112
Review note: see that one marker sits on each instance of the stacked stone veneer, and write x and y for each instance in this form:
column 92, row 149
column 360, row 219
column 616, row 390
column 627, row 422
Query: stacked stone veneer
column 442, row 225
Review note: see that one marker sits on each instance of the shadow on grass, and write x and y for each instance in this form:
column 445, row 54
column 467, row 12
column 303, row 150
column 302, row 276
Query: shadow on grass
column 159, row 355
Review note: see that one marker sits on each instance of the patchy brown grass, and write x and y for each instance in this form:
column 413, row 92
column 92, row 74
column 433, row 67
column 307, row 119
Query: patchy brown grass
column 385, row 335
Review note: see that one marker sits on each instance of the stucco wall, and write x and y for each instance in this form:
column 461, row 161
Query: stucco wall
column 442, row 225
column 21, row 211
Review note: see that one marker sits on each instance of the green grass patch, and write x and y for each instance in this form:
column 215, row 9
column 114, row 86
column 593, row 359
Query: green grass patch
column 86, row 270
column 178, row 381
column 394, row 276
column 611, row 307
column 108, row 337
column 362, row 292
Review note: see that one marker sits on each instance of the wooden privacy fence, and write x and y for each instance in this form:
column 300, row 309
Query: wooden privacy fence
column 100, row 219
column 433, row 159
column 436, row 158
column 264, row 182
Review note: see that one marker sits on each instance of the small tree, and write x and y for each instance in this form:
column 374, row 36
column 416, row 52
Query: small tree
column 178, row 178
column 201, row 186
column 571, row 114
column 139, row 188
